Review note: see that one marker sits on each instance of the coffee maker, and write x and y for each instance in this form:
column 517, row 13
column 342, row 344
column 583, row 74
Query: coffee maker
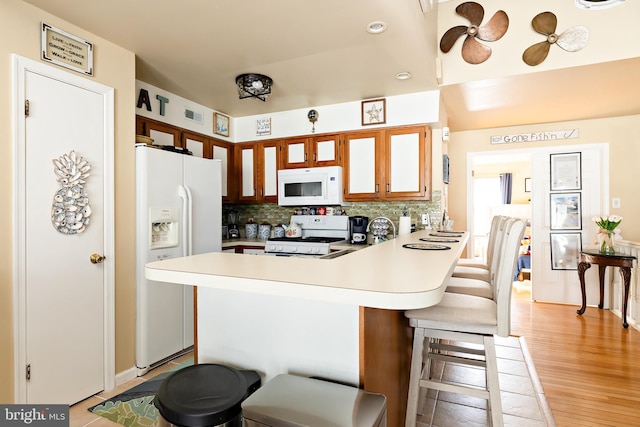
column 359, row 229
column 233, row 219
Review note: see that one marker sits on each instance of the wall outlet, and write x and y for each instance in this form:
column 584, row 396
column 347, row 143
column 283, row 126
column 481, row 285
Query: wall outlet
column 424, row 218
column 615, row 202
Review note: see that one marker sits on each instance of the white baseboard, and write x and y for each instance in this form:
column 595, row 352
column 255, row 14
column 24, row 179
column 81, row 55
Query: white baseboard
column 124, row 376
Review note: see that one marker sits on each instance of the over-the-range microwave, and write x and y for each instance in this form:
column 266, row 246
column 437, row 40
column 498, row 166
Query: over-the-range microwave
column 310, row 186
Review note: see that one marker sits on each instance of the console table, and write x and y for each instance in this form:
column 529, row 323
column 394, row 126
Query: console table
column 624, row 262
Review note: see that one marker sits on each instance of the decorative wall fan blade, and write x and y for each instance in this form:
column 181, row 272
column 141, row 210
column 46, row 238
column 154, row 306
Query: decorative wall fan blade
column 473, row 11
column 450, row 37
column 495, row 28
column 473, row 51
column 537, row 53
column 574, row 39
column 545, row 23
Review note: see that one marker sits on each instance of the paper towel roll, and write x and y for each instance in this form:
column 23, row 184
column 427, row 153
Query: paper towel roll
column 404, row 226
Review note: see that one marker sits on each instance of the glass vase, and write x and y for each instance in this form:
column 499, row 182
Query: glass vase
column 607, row 242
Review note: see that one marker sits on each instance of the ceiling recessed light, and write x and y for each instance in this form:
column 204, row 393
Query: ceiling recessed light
column 376, row 27
column 403, row 75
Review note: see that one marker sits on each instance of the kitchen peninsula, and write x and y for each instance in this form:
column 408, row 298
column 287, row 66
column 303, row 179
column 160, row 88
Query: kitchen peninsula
column 339, row 318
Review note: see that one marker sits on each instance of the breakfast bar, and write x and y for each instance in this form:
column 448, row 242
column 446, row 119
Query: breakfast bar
column 340, row 318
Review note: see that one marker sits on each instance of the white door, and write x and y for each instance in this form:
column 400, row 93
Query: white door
column 62, row 321
column 551, row 281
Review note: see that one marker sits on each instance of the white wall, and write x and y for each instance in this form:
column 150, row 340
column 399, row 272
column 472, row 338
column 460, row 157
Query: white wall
column 413, row 108
column 174, row 111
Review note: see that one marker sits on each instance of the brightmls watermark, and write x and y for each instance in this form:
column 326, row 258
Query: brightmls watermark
column 34, row 415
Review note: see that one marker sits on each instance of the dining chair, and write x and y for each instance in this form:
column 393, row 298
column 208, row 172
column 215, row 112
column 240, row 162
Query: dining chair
column 451, row 330
column 483, row 282
column 484, row 263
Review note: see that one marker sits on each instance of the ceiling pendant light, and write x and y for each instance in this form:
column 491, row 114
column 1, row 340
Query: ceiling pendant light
column 252, row 85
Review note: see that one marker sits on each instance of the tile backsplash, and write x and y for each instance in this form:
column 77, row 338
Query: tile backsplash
column 274, row 214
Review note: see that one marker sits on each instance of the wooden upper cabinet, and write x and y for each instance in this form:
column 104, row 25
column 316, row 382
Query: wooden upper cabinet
column 223, row 151
column 257, row 165
column 362, row 155
column 211, row 148
column 408, row 163
column 295, row 153
column 162, row 133
column 310, row 151
column 198, row 144
column 387, row 164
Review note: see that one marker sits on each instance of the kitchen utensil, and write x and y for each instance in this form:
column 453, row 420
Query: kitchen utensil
column 293, row 230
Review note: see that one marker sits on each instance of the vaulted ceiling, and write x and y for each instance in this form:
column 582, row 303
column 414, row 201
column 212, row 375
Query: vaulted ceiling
column 320, row 53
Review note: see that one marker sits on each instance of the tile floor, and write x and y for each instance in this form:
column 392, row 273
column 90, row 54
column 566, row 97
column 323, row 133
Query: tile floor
column 523, row 401
column 79, row 415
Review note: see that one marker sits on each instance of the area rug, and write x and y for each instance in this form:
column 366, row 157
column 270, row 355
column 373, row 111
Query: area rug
column 134, row 407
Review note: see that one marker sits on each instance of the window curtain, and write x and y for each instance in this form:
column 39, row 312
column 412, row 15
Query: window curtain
column 505, row 187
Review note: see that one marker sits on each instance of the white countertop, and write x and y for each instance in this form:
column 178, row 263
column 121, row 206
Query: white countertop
column 385, row 275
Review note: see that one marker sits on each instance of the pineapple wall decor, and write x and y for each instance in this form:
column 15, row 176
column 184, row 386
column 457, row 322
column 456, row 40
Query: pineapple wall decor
column 70, row 210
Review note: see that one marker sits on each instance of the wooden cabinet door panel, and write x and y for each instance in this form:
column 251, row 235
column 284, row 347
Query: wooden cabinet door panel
column 361, row 171
column 295, row 153
column 325, row 150
column 408, row 163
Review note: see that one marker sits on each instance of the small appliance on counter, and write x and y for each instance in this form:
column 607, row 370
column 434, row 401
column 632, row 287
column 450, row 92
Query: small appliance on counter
column 233, row 218
column 358, row 226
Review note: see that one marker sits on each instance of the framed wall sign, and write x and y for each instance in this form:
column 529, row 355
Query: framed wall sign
column 566, row 171
column 66, row 50
column 566, row 211
column 527, row 185
column 565, row 250
column 374, row 112
column 221, row 124
column 263, row 126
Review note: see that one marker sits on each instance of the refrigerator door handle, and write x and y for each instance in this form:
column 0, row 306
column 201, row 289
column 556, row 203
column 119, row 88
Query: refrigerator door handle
column 187, row 215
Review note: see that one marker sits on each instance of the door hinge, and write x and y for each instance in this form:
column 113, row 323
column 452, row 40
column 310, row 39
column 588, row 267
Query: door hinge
column 28, row 372
column 26, row 108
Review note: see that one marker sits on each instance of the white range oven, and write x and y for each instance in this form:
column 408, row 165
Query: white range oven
column 318, row 233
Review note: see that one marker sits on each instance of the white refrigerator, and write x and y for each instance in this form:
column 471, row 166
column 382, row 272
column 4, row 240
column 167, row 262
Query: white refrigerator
column 178, row 213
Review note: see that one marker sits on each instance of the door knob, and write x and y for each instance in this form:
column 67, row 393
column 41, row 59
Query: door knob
column 96, row 259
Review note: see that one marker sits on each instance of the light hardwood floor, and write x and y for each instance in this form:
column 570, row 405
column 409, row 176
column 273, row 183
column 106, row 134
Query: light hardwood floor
column 589, row 365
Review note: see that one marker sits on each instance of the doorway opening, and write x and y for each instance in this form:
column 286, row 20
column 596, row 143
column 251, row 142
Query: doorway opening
column 485, row 200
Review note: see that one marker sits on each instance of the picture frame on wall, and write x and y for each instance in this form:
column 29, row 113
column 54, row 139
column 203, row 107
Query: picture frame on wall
column 527, row 185
column 565, row 250
column 445, row 168
column 565, row 211
column 374, row 112
column 566, row 171
column 221, row 124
